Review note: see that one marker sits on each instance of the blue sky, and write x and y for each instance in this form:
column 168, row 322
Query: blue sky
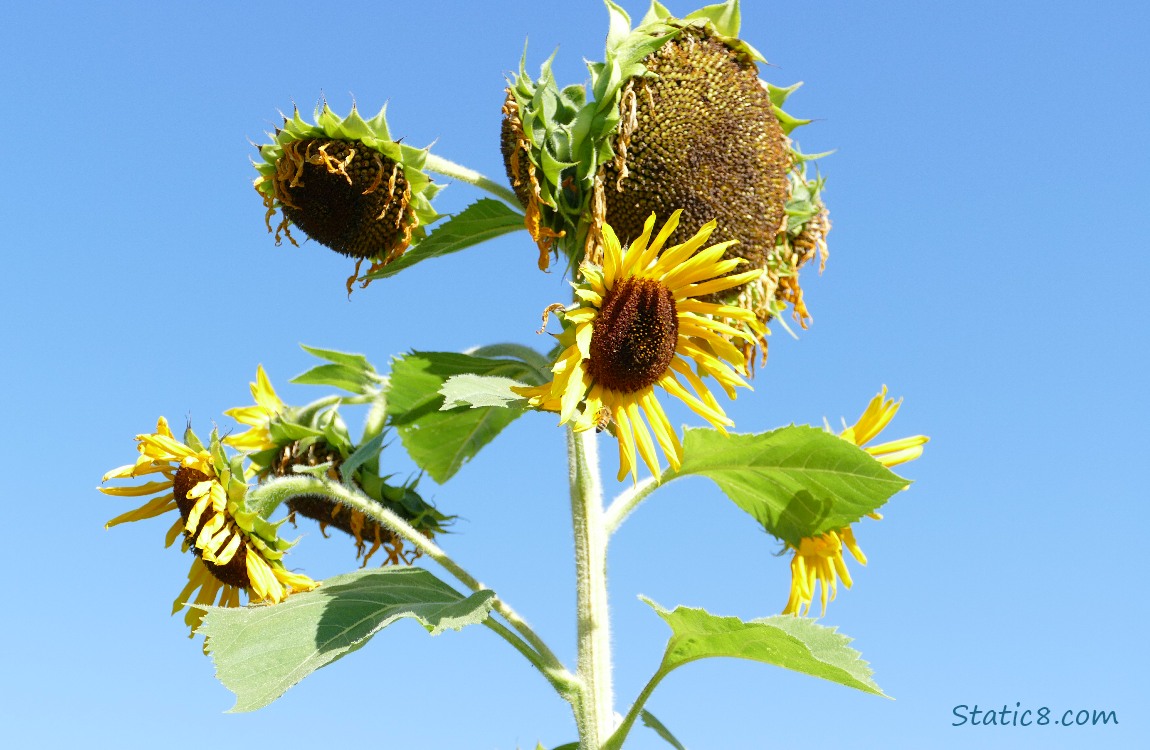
column 988, row 263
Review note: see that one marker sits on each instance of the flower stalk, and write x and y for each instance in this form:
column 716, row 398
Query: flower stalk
column 596, row 717
column 447, row 168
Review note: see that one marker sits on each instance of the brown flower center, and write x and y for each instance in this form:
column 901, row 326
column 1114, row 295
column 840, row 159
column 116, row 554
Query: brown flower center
column 346, row 196
column 633, row 339
column 235, row 572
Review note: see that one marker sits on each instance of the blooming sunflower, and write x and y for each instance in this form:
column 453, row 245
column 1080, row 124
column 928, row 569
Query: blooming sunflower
column 640, row 323
column 819, row 559
column 235, row 550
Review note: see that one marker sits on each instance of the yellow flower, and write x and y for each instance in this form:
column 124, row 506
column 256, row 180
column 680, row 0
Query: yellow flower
column 642, row 321
column 234, row 549
column 258, row 417
column 819, row 560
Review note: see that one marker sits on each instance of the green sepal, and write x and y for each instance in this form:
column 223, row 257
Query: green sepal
column 283, row 432
column 192, row 440
column 779, row 94
column 789, row 122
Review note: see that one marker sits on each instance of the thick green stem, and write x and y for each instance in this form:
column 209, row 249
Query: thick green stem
column 279, row 490
column 442, row 166
column 597, row 717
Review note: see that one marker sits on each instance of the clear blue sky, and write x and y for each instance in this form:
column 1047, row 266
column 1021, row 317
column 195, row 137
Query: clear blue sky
column 988, row 263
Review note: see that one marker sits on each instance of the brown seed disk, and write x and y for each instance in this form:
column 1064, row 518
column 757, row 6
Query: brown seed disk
column 235, row 572
column 345, row 196
column 633, row 338
column 704, row 138
column 330, row 513
column 513, row 145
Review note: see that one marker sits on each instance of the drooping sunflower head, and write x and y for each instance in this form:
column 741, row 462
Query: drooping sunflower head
column 235, row 549
column 818, row 562
column 347, row 185
column 643, row 320
column 283, row 440
column 369, row 535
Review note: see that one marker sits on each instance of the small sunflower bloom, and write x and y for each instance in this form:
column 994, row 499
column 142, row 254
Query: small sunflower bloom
column 234, row 549
column 819, row 561
column 641, row 321
column 257, row 417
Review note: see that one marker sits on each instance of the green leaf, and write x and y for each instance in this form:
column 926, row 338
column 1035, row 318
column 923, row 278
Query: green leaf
column 483, row 220
column 261, row 651
column 649, row 720
column 796, row 481
column 796, row 643
column 354, row 361
column 478, row 391
column 440, row 442
column 339, row 376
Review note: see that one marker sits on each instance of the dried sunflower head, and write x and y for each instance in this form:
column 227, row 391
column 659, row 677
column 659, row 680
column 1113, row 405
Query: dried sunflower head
column 347, row 185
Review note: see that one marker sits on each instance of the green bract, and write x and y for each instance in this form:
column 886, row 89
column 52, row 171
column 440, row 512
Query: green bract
column 347, row 185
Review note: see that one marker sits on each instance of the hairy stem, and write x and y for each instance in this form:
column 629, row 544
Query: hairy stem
column 627, row 501
column 594, row 631
column 459, row 172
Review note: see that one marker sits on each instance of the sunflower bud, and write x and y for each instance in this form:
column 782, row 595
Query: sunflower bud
column 347, row 185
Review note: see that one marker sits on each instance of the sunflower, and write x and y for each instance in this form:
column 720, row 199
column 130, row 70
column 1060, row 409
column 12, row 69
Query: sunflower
column 819, row 559
column 235, row 550
column 640, row 323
